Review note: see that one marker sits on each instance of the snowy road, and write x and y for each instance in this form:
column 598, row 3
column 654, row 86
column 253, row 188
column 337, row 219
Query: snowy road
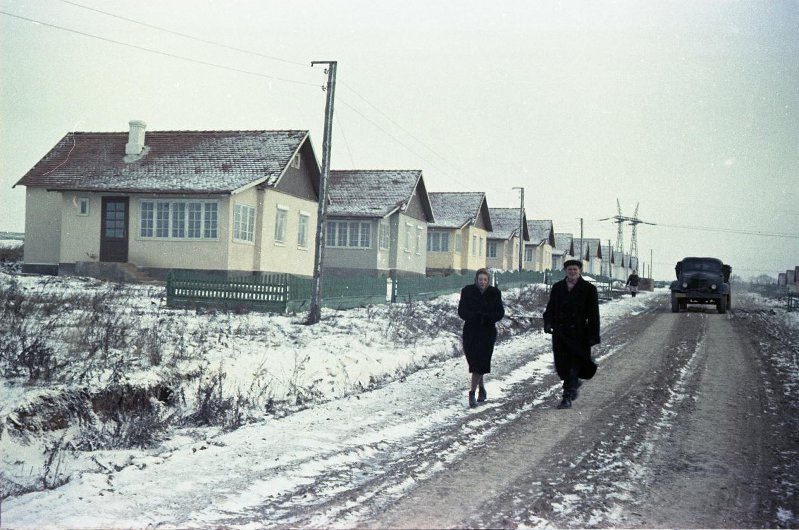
column 691, row 421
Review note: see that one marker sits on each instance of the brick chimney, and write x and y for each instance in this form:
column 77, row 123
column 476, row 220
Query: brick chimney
column 135, row 143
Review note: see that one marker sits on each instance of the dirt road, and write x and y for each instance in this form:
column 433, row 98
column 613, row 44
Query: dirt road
column 687, row 425
column 690, row 422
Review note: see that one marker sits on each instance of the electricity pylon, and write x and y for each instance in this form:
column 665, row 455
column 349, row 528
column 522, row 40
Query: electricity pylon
column 634, row 221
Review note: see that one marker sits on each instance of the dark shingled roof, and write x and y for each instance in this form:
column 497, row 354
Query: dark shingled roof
column 563, row 242
column 591, row 248
column 505, row 222
column 172, row 161
column 540, row 231
column 371, row 192
column 456, row 209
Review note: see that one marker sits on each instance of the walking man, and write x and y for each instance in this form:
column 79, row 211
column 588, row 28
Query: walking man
column 572, row 317
column 632, row 283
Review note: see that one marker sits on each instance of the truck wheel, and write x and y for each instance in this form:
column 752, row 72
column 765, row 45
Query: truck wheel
column 729, row 301
column 675, row 305
column 722, row 305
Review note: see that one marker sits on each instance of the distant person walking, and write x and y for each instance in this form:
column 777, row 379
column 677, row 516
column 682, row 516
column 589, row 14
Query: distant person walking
column 632, row 283
column 481, row 308
column 572, row 317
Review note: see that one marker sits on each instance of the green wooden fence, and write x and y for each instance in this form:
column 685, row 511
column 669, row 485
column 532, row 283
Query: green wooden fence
column 286, row 292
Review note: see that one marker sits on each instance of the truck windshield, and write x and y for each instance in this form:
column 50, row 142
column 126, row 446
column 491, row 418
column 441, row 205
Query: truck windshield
column 701, row 265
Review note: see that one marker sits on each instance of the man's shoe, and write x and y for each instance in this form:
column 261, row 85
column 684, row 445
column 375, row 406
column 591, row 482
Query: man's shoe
column 472, row 401
column 565, row 404
column 481, row 394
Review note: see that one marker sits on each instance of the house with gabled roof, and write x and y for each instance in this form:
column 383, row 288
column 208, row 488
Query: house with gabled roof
column 563, row 250
column 591, row 255
column 607, row 261
column 456, row 240
column 538, row 252
column 376, row 223
column 215, row 201
column 502, row 250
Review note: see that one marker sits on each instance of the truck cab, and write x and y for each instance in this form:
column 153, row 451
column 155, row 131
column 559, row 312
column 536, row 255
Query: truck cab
column 701, row 281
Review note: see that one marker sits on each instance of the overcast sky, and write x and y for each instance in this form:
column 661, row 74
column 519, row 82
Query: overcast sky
column 689, row 110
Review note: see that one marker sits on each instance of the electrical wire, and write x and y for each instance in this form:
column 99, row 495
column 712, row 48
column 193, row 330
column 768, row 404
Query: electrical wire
column 346, row 143
column 187, row 36
column 410, row 149
column 400, row 127
column 158, row 52
column 731, row 231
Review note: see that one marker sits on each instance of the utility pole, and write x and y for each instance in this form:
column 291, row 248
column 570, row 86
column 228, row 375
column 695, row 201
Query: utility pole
column 315, row 313
column 650, row 265
column 610, row 264
column 582, row 256
column 521, row 231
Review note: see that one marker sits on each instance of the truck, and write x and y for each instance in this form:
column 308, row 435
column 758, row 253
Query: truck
column 701, row 281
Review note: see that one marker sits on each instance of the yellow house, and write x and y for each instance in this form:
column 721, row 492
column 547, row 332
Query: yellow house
column 457, row 239
column 563, row 250
column 503, row 249
column 376, row 223
column 539, row 253
column 126, row 204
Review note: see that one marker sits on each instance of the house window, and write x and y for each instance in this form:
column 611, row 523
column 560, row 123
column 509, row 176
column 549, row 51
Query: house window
column 492, row 249
column 481, row 247
column 146, row 216
column 438, row 241
column 302, row 230
column 280, row 224
column 528, row 254
column 458, row 241
column 211, row 221
column 385, row 235
column 83, row 206
column 474, row 245
column 244, row 223
column 419, row 233
column 178, row 219
column 349, row 234
column 295, row 161
column 408, row 229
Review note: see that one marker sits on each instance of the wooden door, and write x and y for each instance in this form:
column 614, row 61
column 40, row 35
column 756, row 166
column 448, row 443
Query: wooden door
column 114, row 228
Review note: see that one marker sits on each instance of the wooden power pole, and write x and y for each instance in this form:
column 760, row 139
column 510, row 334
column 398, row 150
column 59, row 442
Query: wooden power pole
column 315, row 313
column 521, row 231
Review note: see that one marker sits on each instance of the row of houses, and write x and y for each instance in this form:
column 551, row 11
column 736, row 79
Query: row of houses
column 246, row 202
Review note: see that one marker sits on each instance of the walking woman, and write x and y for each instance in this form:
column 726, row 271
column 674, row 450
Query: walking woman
column 480, row 308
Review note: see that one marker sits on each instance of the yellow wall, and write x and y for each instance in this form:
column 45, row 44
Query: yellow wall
column 287, row 257
column 80, row 234
column 42, row 226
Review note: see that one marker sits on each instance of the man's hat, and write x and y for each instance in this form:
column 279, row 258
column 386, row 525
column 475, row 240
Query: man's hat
column 573, row 262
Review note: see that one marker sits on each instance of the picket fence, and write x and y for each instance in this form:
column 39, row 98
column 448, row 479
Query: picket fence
column 281, row 293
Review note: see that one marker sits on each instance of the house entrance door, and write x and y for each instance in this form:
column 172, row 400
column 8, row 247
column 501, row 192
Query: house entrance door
column 114, row 228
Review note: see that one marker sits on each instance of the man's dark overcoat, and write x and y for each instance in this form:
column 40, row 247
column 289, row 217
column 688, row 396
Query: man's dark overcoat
column 480, row 313
column 573, row 318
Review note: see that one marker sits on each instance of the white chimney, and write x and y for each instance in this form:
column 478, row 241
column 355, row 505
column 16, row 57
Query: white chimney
column 135, row 137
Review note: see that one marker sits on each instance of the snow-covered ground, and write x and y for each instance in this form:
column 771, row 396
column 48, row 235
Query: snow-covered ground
column 300, row 388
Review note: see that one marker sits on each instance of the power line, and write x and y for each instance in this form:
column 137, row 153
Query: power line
column 158, row 52
column 731, row 231
column 187, row 36
column 403, row 129
column 346, row 143
column 359, row 113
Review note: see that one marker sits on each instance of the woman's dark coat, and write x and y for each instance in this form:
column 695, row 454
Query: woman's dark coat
column 480, row 312
column 573, row 319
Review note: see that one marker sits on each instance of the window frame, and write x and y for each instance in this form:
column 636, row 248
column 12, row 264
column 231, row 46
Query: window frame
column 243, row 223
column 281, row 224
column 157, row 219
